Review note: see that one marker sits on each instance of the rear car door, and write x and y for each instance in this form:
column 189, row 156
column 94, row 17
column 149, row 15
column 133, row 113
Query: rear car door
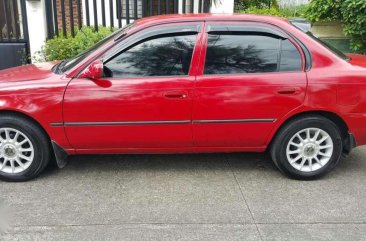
column 145, row 98
column 252, row 74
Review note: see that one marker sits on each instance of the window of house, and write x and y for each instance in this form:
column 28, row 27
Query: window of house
column 166, row 55
column 146, row 8
column 250, row 53
column 10, row 22
column 132, row 8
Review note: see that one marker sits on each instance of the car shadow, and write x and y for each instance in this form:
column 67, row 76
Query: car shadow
column 176, row 162
column 242, row 163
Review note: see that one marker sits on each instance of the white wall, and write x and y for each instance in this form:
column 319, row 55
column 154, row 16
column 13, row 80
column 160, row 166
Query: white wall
column 36, row 16
column 226, row 6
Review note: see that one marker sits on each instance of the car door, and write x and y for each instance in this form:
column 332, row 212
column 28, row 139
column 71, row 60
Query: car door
column 145, row 98
column 252, row 75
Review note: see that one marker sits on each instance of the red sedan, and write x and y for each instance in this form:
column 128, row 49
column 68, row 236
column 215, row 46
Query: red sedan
column 188, row 84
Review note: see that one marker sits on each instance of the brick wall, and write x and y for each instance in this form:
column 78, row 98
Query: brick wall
column 67, row 12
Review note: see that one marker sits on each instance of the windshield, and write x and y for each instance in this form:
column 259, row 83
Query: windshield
column 329, row 46
column 68, row 64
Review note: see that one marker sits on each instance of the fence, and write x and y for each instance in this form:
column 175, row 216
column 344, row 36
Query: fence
column 65, row 16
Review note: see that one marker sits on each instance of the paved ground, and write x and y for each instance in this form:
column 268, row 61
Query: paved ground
column 187, row 197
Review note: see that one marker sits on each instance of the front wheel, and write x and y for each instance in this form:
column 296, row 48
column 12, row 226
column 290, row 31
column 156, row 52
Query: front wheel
column 307, row 148
column 24, row 149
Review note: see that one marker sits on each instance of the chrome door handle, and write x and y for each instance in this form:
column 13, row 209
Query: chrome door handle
column 175, row 95
column 288, row 90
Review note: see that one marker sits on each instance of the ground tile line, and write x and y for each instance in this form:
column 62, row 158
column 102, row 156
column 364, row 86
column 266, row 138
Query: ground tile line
column 245, row 200
column 166, row 224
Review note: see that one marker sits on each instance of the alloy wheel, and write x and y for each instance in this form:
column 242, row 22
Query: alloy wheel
column 16, row 151
column 309, row 149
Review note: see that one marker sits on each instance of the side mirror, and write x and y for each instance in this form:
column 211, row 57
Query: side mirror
column 94, row 71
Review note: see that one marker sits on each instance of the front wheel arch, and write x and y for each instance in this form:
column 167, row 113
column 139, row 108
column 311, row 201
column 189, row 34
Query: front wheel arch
column 25, row 116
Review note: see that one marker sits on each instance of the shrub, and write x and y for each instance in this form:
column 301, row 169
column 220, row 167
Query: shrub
column 242, row 5
column 263, row 11
column 351, row 12
column 288, row 12
column 294, row 11
column 64, row 47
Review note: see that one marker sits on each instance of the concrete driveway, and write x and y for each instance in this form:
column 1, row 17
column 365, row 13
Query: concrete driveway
column 187, row 197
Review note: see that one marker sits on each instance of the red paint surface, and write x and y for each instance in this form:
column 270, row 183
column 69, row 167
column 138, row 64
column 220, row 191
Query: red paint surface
column 331, row 85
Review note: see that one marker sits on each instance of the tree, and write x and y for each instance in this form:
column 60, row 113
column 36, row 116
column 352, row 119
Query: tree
column 352, row 13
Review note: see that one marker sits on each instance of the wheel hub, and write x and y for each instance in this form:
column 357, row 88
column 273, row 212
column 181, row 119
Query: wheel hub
column 10, row 151
column 309, row 149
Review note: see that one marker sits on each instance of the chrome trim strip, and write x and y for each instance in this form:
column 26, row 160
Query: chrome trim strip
column 233, row 121
column 120, row 123
column 57, row 124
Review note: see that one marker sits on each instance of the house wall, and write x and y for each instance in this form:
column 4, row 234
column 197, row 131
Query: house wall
column 226, row 6
column 37, row 24
column 67, row 12
column 36, row 16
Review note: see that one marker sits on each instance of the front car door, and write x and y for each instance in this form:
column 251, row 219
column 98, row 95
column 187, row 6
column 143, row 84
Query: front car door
column 145, row 98
column 252, row 75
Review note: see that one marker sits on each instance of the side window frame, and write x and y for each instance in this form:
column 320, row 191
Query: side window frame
column 190, row 28
column 249, row 27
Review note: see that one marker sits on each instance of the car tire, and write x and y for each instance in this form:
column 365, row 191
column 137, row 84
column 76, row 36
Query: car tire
column 24, row 148
column 307, row 148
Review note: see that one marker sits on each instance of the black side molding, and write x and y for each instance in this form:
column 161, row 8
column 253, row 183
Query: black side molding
column 60, row 154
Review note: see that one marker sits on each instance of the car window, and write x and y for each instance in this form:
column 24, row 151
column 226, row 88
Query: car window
column 68, row 64
column 250, row 53
column 290, row 58
column 166, row 55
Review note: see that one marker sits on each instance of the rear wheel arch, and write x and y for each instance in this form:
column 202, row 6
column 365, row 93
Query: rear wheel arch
column 335, row 118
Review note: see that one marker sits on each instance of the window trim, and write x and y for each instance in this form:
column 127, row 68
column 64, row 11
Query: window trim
column 304, row 50
column 194, row 30
column 214, row 28
column 304, row 53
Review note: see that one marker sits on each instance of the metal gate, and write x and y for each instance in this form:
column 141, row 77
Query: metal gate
column 64, row 16
column 14, row 39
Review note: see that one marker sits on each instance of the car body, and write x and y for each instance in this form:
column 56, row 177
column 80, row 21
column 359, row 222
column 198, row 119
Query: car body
column 206, row 106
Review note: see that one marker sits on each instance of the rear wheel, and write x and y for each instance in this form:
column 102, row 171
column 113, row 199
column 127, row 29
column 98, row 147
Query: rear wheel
column 307, row 147
column 24, row 149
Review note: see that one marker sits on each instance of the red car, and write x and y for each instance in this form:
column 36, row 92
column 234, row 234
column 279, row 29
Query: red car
column 188, row 84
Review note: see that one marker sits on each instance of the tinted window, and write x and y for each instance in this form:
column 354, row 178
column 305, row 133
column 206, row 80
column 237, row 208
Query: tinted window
column 290, row 57
column 230, row 54
column 162, row 56
column 68, row 64
column 329, row 46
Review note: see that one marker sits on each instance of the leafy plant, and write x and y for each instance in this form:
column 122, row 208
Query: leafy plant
column 294, row 11
column 242, row 5
column 288, row 12
column 263, row 11
column 352, row 13
column 64, row 47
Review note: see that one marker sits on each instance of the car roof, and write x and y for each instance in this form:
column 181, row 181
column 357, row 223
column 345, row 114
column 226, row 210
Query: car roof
column 208, row 17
